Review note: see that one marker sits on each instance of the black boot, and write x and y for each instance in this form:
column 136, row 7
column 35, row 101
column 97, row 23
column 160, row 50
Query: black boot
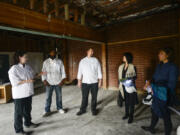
column 130, row 120
column 80, row 112
column 94, row 112
column 125, row 116
column 149, row 129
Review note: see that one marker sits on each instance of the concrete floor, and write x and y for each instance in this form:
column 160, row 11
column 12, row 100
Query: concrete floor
column 108, row 122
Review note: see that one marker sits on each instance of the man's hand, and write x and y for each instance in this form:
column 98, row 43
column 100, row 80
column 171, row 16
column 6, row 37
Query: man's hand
column 100, row 83
column 42, row 73
column 79, row 83
column 46, row 83
column 30, row 81
column 26, row 81
column 61, row 84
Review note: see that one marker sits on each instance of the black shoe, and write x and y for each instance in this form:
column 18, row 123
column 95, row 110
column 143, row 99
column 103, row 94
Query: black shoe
column 125, row 117
column 32, row 125
column 46, row 114
column 94, row 113
column 21, row 133
column 130, row 120
column 80, row 113
column 149, row 129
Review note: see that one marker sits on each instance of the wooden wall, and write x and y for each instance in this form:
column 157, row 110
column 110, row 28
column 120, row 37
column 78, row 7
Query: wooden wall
column 28, row 19
column 143, row 38
column 12, row 42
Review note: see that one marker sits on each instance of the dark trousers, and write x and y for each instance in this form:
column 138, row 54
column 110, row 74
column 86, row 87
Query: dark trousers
column 166, row 119
column 129, row 105
column 85, row 94
column 23, row 108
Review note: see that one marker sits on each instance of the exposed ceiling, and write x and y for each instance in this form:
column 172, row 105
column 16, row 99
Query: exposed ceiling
column 98, row 12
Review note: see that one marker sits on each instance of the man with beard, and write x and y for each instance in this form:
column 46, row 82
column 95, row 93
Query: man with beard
column 53, row 80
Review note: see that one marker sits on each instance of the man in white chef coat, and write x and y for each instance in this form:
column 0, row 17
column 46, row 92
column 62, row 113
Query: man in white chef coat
column 89, row 80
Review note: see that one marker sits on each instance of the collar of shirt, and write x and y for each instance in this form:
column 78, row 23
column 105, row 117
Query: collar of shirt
column 21, row 65
column 53, row 60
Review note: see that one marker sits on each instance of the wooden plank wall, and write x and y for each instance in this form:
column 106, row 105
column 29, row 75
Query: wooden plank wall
column 14, row 16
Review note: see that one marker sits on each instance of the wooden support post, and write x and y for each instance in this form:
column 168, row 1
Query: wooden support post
column 32, row 4
column 45, row 6
column 14, row 1
column 104, row 65
column 66, row 11
column 179, row 39
column 65, row 58
column 76, row 15
column 56, row 4
column 83, row 16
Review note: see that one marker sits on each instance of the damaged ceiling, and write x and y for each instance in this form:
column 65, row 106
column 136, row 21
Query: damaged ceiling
column 100, row 13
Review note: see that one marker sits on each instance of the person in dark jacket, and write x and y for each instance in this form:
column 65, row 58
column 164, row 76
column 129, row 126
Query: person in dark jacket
column 163, row 88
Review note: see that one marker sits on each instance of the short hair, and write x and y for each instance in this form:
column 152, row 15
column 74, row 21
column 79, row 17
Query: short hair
column 129, row 57
column 52, row 50
column 89, row 49
column 18, row 54
column 170, row 52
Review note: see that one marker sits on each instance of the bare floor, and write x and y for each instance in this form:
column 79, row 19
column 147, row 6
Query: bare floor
column 107, row 122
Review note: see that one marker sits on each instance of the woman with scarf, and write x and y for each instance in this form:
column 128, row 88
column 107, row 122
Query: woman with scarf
column 163, row 87
column 127, row 77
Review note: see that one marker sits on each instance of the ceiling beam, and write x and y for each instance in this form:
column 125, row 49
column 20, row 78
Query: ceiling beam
column 27, row 19
column 83, row 17
column 56, row 5
column 45, row 6
column 76, row 14
column 66, row 11
column 32, row 4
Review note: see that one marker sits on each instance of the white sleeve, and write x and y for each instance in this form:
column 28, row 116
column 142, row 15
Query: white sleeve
column 99, row 71
column 44, row 77
column 63, row 71
column 14, row 77
column 79, row 75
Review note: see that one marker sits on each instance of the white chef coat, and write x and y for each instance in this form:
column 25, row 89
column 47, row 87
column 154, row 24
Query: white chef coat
column 89, row 70
column 18, row 73
column 55, row 71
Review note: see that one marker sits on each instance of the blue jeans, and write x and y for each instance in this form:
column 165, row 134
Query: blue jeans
column 49, row 92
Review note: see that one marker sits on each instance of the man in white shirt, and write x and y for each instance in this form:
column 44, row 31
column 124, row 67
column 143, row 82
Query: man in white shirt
column 89, row 79
column 53, row 80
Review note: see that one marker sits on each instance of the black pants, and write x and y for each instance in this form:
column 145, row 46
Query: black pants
column 85, row 94
column 23, row 108
column 167, row 122
column 129, row 104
